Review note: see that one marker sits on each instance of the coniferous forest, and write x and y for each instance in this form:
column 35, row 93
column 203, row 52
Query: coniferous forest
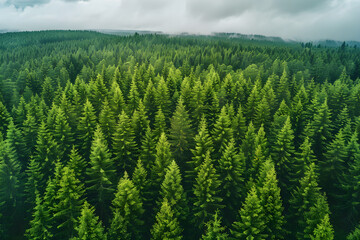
column 177, row 137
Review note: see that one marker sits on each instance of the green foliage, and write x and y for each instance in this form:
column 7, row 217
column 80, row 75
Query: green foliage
column 214, row 229
column 127, row 211
column 324, row 230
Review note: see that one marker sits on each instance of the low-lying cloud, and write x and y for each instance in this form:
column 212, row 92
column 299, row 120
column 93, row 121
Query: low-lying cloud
column 295, row 19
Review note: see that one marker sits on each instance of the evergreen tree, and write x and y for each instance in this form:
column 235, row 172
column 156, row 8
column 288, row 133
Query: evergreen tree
column 172, row 190
column 163, row 158
column 252, row 222
column 127, row 211
column 231, row 168
column 89, row 226
column 248, row 145
column 239, row 126
column 148, row 149
column 63, row 135
column 354, row 235
column 78, row 164
column 39, row 225
column 4, row 118
column 166, row 225
column 270, row 199
column 139, row 123
column 324, row 230
column 160, row 124
column 222, row 133
column 100, row 180
column 283, row 155
column 181, row 134
column 214, row 229
column 107, row 122
column 207, row 197
column 86, row 128
column 124, row 145
column 69, row 201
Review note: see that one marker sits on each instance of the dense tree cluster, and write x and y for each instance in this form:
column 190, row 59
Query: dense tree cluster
column 177, row 137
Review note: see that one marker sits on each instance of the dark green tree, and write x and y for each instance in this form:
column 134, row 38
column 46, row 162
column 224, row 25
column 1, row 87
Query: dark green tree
column 214, row 230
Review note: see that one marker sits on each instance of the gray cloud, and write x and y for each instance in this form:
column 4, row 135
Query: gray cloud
column 296, row 19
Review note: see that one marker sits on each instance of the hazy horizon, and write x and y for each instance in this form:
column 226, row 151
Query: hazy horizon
column 304, row 20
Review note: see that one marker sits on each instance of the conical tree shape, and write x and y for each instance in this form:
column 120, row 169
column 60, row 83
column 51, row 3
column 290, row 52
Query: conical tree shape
column 163, row 98
column 39, row 225
column 207, row 195
column 324, row 230
column 78, row 164
column 116, row 99
column 252, row 222
column 160, row 123
column 283, row 155
column 231, row 169
column 68, row 206
column 239, row 126
column 16, row 139
column 166, row 225
column 148, row 149
column 101, row 170
column 319, row 130
column 63, row 135
column 214, row 230
column 269, row 195
column 107, row 122
column 150, row 102
column 124, row 145
column 86, row 128
column 222, row 132
column 139, row 122
column 203, row 144
column 127, row 211
column 4, row 118
column 89, row 226
column 304, row 197
column 172, row 190
column 163, row 158
column 304, row 157
column 248, row 145
column 181, row 134
column 332, row 166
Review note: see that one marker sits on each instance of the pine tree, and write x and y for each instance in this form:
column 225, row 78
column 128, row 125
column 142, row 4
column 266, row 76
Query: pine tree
column 101, row 170
column 270, row 199
column 39, row 225
column 124, row 145
column 248, row 145
column 324, row 230
column 239, row 126
column 116, row 99
column 16, row 140
column 150, row 102
column 231, row 169
column 181, row 134
column 4, row 118
column 127, row 211
column 89, row 226
column 214, row 229
column 163, row 98
column 304, row 157
column 252, row 221
column 142, row 183
column 69, row 201
column 207, row 195
column 86, row 128
column 98, row 92
column 166, row 225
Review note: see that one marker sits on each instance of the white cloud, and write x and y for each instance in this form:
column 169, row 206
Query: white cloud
column 299, row 19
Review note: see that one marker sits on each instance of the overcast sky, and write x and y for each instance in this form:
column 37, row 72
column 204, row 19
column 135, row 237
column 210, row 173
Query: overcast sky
column 292, row 19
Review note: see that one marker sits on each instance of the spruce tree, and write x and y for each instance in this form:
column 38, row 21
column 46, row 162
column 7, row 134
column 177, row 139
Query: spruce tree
column 148, row 149
column 239, row 126
column 107, row 122
column 252, row 221
column 324, row 230
column 214, row 229
column 63, row 135
column 78, row 164
column 124, row 145
column 181, row 134
column 4, row 118
column 166, row 225
column 160, row 123
column 206, row 192
column 127, row 211
column 69, row 200
column 231, row 169
column 172, row 190
column 222, row 133
column 101, row 175
column 270, row 199
column 89, row 226
column 86, row 128
column 39, row 225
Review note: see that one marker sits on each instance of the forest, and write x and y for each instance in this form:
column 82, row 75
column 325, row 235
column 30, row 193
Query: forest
column 177, row 137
